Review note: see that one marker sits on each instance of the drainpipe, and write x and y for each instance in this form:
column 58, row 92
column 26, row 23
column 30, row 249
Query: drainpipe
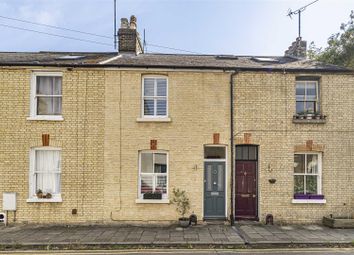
column 232, row 218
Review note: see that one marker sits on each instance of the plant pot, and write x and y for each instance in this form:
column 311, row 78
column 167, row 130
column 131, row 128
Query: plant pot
column 309, row 116
column 338, row 222
column 183, row 222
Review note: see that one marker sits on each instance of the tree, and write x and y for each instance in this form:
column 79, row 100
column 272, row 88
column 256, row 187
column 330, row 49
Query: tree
column 340, row 49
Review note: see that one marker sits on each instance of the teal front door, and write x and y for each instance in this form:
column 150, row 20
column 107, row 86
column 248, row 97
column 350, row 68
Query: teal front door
column 214, row 190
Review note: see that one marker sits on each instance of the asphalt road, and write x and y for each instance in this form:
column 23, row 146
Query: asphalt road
column 342, row 251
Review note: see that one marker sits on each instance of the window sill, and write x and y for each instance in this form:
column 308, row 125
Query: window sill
column 45, row 200
column 152, row 201
column 309, row 121
column 165, row 119
column 47, row 117
column 308, row 201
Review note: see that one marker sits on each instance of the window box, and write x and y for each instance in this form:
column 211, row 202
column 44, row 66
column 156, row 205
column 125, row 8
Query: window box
column 315, row 118
column 154, row 195
column 308, row 196
column 316, row 196
column 301, row 196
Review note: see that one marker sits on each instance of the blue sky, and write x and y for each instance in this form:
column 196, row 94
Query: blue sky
column 241, row 27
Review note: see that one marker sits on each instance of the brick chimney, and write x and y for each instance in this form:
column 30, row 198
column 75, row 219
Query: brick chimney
column 297, row 49
column 129, row 40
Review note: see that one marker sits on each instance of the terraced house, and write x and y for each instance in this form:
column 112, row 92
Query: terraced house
column 105, row 137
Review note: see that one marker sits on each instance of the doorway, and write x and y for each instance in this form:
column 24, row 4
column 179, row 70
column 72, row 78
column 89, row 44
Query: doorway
column 214, row 182
column 246, row 191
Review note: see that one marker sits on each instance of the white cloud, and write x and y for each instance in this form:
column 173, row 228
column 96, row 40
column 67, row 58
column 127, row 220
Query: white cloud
column 40, row 11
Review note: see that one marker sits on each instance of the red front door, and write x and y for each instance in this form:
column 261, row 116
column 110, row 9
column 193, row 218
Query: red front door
column 246, row 190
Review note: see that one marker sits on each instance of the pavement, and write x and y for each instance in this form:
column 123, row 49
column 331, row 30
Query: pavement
column 242, row 235
column 310, row 235
column 321, row 251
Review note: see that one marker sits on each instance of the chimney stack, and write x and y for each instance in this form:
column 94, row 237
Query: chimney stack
column 128, row 37
column 297, row 49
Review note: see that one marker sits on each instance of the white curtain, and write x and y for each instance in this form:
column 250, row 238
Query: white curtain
column 47, row 87
column 47, row 171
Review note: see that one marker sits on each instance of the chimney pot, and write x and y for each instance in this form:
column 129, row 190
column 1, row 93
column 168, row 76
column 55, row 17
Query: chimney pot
column 297, row 49
column 132, row 22
column 124, row 23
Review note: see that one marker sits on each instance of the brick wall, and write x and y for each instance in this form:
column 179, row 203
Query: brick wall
column 101, row 137
column 265, row 104
column 80, row 136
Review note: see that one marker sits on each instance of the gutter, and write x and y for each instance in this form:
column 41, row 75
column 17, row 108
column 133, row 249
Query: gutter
column 232, row 218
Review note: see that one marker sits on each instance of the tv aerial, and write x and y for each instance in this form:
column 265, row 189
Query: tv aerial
column 298, row 12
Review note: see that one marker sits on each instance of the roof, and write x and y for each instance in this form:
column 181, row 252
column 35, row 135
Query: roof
column 176, row 61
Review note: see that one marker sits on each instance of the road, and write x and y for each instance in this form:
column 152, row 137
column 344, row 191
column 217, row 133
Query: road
column 337, row 251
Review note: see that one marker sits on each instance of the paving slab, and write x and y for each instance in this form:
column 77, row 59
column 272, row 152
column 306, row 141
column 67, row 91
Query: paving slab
column 117, row 235
column 293, row 234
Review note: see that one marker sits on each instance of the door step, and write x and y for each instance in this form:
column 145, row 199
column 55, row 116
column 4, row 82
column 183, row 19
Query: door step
column 215, row 221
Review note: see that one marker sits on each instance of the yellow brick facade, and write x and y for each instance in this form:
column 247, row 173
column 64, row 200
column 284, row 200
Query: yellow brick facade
column 101, row 137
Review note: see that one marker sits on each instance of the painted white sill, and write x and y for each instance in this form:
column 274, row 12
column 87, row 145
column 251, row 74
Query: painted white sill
column 152, row 201
column 308, row 201
column 45, row 200
column 47, row 117
column 165, row 119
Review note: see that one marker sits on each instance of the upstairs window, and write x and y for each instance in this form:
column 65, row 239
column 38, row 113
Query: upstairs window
column 154, row 97
column 307, row 97
column 46, row 99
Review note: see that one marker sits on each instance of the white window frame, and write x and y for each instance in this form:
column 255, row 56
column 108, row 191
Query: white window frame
column 32, row 187
column 33, row 97
column 317, row 101
column 155, row 116
column 319, row 174
column 164, row 196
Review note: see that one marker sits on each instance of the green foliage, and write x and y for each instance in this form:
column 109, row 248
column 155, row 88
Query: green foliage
column 340, row 49
column 181, row 201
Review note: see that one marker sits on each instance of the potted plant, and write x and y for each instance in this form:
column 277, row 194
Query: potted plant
column 152, row 195
column 301, row 115
column 309, row 114
column 182, row 203
column 39, row 193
